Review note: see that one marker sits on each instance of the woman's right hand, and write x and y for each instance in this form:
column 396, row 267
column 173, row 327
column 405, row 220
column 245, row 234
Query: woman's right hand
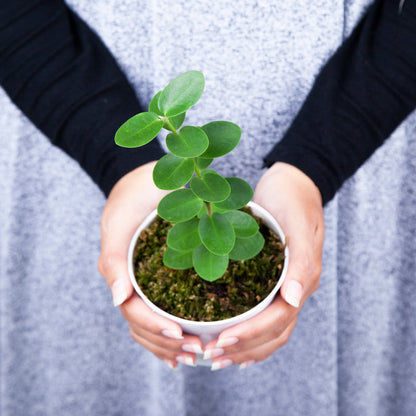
column 132, row 198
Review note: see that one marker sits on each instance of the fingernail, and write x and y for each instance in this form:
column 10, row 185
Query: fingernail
column 169, row 333
column 218, row 365
column 192, row 348
column 246, row 364
column 293, row 293
column 212, row 353
column 226, row 342
column 170, row 364
column 119, row 292
column 186, row 359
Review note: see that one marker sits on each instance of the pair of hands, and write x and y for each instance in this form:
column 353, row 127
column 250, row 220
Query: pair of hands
column 290, row 196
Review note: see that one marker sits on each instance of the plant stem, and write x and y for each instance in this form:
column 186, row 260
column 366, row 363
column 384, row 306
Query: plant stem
column 209, row 208
column 199, row 174
column 197, row 170
column 169, row 125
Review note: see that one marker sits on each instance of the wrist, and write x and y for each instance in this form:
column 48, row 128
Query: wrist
column 296, row 177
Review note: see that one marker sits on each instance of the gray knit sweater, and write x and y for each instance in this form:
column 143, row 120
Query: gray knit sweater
column 65, row 351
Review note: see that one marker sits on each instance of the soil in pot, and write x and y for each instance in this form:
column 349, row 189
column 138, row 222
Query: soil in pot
column 184, row 294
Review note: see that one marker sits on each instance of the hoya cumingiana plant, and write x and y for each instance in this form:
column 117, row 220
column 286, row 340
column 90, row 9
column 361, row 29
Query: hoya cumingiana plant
column 208, row 227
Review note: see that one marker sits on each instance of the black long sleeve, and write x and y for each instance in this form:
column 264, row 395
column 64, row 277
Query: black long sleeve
column 361, row 95
column 62, row 77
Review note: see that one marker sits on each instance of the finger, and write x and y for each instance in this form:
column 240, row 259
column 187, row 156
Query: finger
column 113, row 266
column 300, row 272
column 188, row 343
column 255, row 354
column 213, row 351
column 264, row 327
column 305, row 251
column 160, row 335
column 138, row 314
column 166, row 354
column 112, row 263
column 267, row 325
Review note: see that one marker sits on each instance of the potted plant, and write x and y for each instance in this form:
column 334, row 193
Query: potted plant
column 206, row 228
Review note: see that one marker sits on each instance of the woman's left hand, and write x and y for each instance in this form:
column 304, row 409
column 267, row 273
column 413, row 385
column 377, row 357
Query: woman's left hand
column 294, row 200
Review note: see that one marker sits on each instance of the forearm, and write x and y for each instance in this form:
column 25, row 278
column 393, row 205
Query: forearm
column 63, row 78
column 361, row 95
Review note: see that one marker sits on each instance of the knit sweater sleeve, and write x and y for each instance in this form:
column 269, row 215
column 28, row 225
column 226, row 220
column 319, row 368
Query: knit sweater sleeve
column 63, row 78
column 359, row 98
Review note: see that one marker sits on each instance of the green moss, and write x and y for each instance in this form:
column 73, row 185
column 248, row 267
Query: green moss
column 184, row 294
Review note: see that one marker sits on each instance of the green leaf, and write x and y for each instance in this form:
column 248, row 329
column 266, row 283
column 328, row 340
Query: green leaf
column 189, row 142
column 184, row 236
column 223, row 137
column 217, row 234
column 178, row 260
column 175, row 121
column 172, row 172
column 247, row 248
column 179, row 206
column 202, row 211
column 241, row 194
column 153, row 106
column 203, row 163
column 212, row 187
column 244, row 224
column 181, row 93
column 214, row 208
column 209, row 266
column 138, row 130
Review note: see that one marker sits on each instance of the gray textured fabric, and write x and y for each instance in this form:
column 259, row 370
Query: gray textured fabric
column 65, row 351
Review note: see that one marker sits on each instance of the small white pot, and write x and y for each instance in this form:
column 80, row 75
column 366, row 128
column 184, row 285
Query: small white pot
column 208, row 331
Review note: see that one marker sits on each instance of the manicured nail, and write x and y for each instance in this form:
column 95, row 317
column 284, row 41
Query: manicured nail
column 226, row 342
column 169, row 333
column 119, row 292
column 218, row 365
column 170, row 364
column 186, row 359
column 212, row 353
column 294, row 293
column 246, row 364
column 192, row 348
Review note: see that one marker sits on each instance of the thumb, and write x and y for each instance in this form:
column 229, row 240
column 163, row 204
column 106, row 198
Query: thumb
column 113, row 266
column 292, row 292
column 303, row 272
column 299, row 273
